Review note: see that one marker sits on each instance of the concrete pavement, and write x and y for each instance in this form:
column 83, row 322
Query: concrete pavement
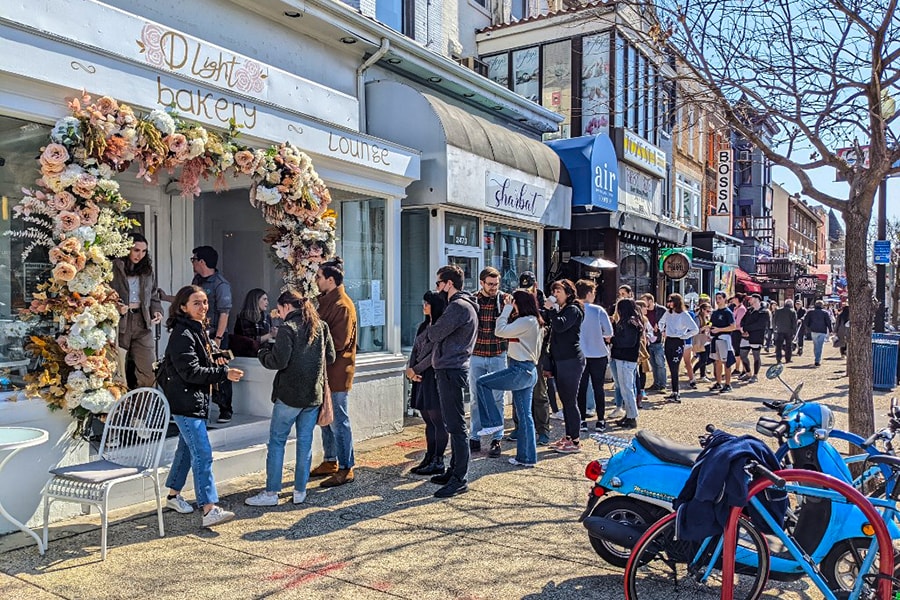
column 514, row 535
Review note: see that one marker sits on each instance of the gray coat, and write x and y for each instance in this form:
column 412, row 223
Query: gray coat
column 454, row 333
column 300, row 381
column 784, row 320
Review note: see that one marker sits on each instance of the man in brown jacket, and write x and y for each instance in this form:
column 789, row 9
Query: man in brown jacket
column 337, row 309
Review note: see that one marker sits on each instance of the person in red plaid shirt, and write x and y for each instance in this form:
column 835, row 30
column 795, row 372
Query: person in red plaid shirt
column 489, row 355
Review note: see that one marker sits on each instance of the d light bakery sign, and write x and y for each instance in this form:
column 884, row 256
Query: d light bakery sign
column 515, row 197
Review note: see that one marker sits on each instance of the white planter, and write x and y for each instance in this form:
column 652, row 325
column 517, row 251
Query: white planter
column 24, row 476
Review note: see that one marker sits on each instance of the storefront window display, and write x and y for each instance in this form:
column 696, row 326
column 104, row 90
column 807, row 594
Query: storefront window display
column 556, row 87
column 634, row 267
column 525, row 73
column 510, row 250
column 595, row 84
column 461, row 230
column 498, row 68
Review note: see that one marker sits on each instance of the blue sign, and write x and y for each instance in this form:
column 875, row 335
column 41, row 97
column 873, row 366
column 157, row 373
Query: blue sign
column 882, row 252
column 593, row 168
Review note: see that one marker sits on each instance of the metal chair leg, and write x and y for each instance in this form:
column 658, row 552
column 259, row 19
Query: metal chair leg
column 104, row 520
column 159, row 507
column 46, row 520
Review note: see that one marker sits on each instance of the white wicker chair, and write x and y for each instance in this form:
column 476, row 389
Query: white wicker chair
column 130, row 448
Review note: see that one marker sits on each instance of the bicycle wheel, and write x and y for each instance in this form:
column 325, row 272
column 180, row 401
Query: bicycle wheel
column 663, row 567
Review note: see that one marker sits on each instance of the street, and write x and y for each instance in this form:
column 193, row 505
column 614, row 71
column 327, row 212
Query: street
column 514, row 535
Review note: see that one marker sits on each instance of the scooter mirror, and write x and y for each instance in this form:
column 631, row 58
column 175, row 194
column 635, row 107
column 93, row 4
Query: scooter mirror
column 774, row 372
column 795, row 397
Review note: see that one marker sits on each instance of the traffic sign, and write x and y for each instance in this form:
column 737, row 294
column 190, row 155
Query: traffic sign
column 882, row 252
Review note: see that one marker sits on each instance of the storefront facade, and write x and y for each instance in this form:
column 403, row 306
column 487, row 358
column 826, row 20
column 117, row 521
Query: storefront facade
column 151, row 65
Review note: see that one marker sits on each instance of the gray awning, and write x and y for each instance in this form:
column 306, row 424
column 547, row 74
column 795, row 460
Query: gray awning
column 594, row 262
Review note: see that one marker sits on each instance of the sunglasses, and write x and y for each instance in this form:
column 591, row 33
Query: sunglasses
column 194, row 259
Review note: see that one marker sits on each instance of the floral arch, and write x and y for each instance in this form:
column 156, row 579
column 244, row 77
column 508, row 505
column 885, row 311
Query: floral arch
column 78, row 214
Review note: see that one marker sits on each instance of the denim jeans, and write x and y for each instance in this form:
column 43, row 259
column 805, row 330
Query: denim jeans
column 193, row 454
column 818, row 343
column 283, row 418
column 619, row 397
column 519, row 376
column 658, row 364
column 337, row 439
column 450, row 384
column 624, row 371
column 479, row 366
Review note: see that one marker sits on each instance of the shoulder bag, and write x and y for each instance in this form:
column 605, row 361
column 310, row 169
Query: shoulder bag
column 326, row 412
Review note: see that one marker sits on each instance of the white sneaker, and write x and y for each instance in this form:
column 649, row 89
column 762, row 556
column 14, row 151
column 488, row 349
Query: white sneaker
column 490, row 430
column 558, row 415
column 263, row 498
column 299, row 497
column 615, row 414
column 179, row 504
column 216, row 516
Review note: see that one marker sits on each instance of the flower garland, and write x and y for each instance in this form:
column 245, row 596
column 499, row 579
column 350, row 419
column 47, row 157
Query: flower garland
column 77, row 213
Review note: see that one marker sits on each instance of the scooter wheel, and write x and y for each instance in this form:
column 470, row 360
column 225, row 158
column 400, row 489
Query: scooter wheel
column 840, row 567
column 626, row 511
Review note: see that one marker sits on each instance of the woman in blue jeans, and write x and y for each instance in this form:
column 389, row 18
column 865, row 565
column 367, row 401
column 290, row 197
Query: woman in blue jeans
column 187, row 372
column 519, row 322
column 301, row 349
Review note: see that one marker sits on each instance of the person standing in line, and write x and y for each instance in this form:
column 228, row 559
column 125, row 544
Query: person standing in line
column 755, row 324
column 424, row 392
column 543, row 398
column 565, row 316
column 657, row 353
column 337, row 310
column 520, row 322
column 626, row 342
column 784, row 322
column 595, row 330
column 253, row 326
column 738, row 309
column 625, row 291
column 721, row 327
column 453, row 336
column 703, row 313
column 771, row 307
column 187, row 372
column 489, row 355
column 140, row 307
column 301, row 353
column 800, row 334
column 818, row 322
column 676, row 326
column 204, row 259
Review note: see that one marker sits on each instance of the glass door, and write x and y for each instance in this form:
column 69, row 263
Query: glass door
column 469, row 265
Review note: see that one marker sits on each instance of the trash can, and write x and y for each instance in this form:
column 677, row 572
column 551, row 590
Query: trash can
column 895, row 337
column 884, row 360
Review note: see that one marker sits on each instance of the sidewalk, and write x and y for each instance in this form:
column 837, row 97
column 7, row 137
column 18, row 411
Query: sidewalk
column 514, row 535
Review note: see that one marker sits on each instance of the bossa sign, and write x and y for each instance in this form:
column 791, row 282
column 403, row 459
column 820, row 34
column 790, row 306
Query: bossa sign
column 676, row 266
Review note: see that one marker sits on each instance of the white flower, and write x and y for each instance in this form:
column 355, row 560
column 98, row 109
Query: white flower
column 270, row 196
column 98, row 401
column 85, row 234
column 196, row 148
column 106, row 184
column 68, row 177
column 162, row 121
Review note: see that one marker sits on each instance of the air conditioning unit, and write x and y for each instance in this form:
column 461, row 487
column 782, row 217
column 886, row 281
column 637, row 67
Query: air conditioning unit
column 473, row 63
column 744, row 155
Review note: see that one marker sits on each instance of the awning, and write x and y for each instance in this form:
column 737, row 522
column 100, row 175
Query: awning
column 594, row 262
column 593, row 168
column 746, row 282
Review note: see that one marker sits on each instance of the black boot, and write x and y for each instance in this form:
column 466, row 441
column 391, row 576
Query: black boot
column 435, row 468
column 426, row 460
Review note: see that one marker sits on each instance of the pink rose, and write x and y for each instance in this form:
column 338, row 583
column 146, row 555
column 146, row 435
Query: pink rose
column 57, row 255
column 177, row 144
column 76, row 358
column 90, row 214
column 64, row 272
column 107, row 105
column 53, row 159
column 63, row 342
column 62, row 201
column 69, row 221
column 84, row 185
column 70, row 245
column 244, row 159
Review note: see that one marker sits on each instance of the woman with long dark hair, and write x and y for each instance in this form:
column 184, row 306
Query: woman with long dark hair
column 139, row 306
column 424, row 393
column 676, row 326
column 301, row 350
column 253, row 326
column 186, row 375
column 519, row 322
column 628, row 329
column 565, row 314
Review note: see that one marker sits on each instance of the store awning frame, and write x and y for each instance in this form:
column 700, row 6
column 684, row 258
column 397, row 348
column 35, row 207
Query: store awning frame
column 594, row 262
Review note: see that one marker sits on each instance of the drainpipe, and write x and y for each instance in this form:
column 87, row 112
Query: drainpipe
column 360, row 84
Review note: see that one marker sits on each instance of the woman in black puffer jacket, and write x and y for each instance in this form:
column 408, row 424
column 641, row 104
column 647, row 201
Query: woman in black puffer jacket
column 188, row 372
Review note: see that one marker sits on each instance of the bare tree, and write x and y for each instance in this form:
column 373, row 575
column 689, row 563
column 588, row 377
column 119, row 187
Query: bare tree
column 825, row 72
column 893, row 234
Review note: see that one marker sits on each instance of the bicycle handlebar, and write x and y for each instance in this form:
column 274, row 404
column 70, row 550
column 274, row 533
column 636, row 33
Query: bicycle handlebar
column 760, row 470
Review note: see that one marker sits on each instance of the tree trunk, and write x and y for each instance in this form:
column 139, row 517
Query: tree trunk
column 862, row 313
column 895, row 295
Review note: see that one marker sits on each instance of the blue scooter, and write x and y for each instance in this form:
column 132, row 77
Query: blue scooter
column 638, row 483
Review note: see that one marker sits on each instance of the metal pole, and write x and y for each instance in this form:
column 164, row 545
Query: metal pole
column 880, row 270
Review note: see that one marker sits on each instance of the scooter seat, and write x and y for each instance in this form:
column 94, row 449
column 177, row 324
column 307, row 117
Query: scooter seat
column 666, row 450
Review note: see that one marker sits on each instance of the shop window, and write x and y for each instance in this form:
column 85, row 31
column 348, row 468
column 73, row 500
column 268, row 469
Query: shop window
column 620, row 77
column 461, row 230
column 399, row 15
column 20, row 143
column 498, row 68
column 518, row 9
column 361, row 230
column 510, row 250
column 556, row 84
column 635, row 267
column 415, row 271
column 642, row 97
column 525, row 73
column 595, row 84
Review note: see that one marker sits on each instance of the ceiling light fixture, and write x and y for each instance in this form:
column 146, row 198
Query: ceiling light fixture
column 498, row 107
column 435, row 79
column 348, row 40
column 293, row 14
column 394, row 61
column 468, row 95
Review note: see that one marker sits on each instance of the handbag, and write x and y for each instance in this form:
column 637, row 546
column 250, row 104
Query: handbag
column 699, row 342
column 326, row 412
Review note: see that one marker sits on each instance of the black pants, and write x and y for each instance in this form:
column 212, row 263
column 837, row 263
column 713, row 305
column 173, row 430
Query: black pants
column 674, row 350
column 450, row 384
column 702, row 361
column 436, row 437
column 595, row 370
column 783, row 343
column 222, row 396
column 745, row 358
column 568, row 378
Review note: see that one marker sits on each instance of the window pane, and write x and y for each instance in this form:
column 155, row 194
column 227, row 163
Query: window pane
column 525, row 73
column 595, row 84
column 632, row 88
column 510, row 250
column 651, row 105
column 498, row 68
column 361, row 229
column 620, row 82
column 390, row 13
column 518, row 9
column 557, row 84
column 414, row 270
column 642, row 96
column 461, row 230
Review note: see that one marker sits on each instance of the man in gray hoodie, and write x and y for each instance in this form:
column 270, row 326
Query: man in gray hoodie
column 453, row 336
